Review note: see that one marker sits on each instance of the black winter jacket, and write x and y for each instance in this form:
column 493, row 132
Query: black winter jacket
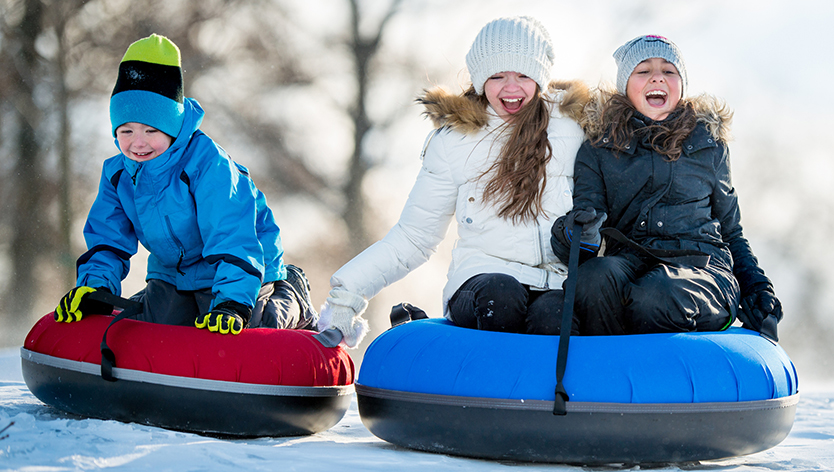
column 687, row 204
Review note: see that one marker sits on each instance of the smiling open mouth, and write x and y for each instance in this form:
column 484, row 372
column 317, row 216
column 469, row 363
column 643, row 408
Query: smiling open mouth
column 656, row 98
column 512, row 104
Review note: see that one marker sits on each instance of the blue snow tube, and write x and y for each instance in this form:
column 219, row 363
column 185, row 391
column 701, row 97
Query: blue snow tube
column 433, row 386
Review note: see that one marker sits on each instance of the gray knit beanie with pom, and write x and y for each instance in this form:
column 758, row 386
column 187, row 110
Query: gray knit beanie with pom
column 518, row 44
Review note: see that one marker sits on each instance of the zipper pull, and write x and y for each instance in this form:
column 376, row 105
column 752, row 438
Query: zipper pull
column 179, row 262
column 133, row 177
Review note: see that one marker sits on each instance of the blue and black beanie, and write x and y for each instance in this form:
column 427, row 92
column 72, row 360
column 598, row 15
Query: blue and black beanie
column 149, row 87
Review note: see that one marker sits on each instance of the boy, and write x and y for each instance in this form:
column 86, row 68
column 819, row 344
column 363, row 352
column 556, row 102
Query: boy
column 215, row 251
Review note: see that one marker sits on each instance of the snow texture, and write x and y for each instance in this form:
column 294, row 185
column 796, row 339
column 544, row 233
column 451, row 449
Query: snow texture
column 44, row 439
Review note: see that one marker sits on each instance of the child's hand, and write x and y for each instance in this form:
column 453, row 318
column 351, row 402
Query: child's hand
column 756, row 308
column 225, row 318
column 343, row 311
column 591, row 222
column 74, row 305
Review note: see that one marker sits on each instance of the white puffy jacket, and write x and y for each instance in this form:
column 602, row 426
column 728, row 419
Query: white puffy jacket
column 450, row 186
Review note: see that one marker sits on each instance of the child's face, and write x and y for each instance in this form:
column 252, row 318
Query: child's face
column 508, row 92
column 654, row 88
column 140, row 142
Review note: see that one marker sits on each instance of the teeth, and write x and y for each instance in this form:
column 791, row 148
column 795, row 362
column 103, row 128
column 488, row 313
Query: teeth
column 511, row 100
column 656, row 93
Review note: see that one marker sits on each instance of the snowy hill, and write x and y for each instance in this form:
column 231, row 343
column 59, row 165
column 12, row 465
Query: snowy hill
column 42, row 438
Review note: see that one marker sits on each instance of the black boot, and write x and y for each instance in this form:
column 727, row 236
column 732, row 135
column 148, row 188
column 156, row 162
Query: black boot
column 299, row 283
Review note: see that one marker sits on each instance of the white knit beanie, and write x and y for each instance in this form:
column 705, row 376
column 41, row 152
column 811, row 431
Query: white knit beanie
column 632, row 53
column 518, row 44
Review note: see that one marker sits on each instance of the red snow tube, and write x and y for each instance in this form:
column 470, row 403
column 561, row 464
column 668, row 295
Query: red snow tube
column 262, row 382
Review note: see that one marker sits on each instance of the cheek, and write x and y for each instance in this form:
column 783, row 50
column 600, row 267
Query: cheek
column 492, row 98
column 633, row 96
column 162, row 144
column 677, row 88
column 491, row 92
column 633, row 87
column 530, row 88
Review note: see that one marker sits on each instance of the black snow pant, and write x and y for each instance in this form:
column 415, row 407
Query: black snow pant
column 499, row 302
column 623, row 294
column 278, row 306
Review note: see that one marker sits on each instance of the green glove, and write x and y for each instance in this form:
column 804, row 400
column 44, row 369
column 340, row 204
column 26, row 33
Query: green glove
column 73, row 305
column 225, row 318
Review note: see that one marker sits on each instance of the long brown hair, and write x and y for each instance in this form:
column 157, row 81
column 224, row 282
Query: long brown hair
column 665, row 137
column 519, row 175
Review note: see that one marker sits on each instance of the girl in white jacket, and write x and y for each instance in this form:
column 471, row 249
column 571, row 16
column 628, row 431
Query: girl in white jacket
column 500, row 163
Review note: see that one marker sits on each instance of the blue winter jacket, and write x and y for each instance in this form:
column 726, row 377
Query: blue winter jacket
column 197, row 212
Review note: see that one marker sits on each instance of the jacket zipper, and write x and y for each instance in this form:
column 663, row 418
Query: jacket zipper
column 177, row 242
column 133, row 177
column 541, row 249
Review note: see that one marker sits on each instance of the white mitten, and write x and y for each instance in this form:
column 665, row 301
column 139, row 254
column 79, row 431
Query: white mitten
column 343, row 311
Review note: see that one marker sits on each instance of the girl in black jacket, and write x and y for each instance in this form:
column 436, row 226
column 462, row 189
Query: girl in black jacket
column 656, row 170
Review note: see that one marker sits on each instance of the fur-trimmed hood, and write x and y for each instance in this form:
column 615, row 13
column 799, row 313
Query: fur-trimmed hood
column 460, row 113
column 710, row 110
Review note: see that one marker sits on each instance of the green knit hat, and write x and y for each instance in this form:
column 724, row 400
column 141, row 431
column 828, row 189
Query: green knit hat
column 149, row 87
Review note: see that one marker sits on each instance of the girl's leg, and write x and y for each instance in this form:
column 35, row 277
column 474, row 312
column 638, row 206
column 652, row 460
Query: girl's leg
column 601, row 290
column 491, row 302
column 544, row 314
column 671, row 298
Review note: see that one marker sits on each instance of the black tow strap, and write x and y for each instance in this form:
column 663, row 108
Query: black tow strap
column 130, row 309
column 560, row 404
column 768, row 330
column 670, row 256
column 405, row 312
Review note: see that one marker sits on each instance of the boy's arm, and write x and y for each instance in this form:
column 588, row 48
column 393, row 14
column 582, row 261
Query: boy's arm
column 226, row 212
column 111, row 239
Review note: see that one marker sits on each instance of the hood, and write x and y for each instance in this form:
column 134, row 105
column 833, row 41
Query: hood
column 710, row 110
column 192, row 119
column 466, row 116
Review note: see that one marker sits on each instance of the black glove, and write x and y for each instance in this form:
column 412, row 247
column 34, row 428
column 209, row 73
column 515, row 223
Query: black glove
column 761, row 309
column 591, row 222
column 227, row 317
column 75, row 304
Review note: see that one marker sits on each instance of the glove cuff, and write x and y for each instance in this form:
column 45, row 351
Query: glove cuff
column 89, row 307
column 350, row 323
column 234, row 308
column 342, row 297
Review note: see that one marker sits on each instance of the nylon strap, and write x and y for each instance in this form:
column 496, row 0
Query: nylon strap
column 329, row 337
column 130, row 309
column 405, row 312
column 768, row 330
column 560, row 403
column 670, row 256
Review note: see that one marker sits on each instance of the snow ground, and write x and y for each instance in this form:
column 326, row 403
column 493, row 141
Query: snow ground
column 45, row 439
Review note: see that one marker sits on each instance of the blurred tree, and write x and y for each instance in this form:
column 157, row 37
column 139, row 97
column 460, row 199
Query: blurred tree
column 363, row 48
column 23, row 26
column 59, row 14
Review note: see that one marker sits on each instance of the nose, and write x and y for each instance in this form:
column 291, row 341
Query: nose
column 139, row 140
column 657, row 76
column 513, row 82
